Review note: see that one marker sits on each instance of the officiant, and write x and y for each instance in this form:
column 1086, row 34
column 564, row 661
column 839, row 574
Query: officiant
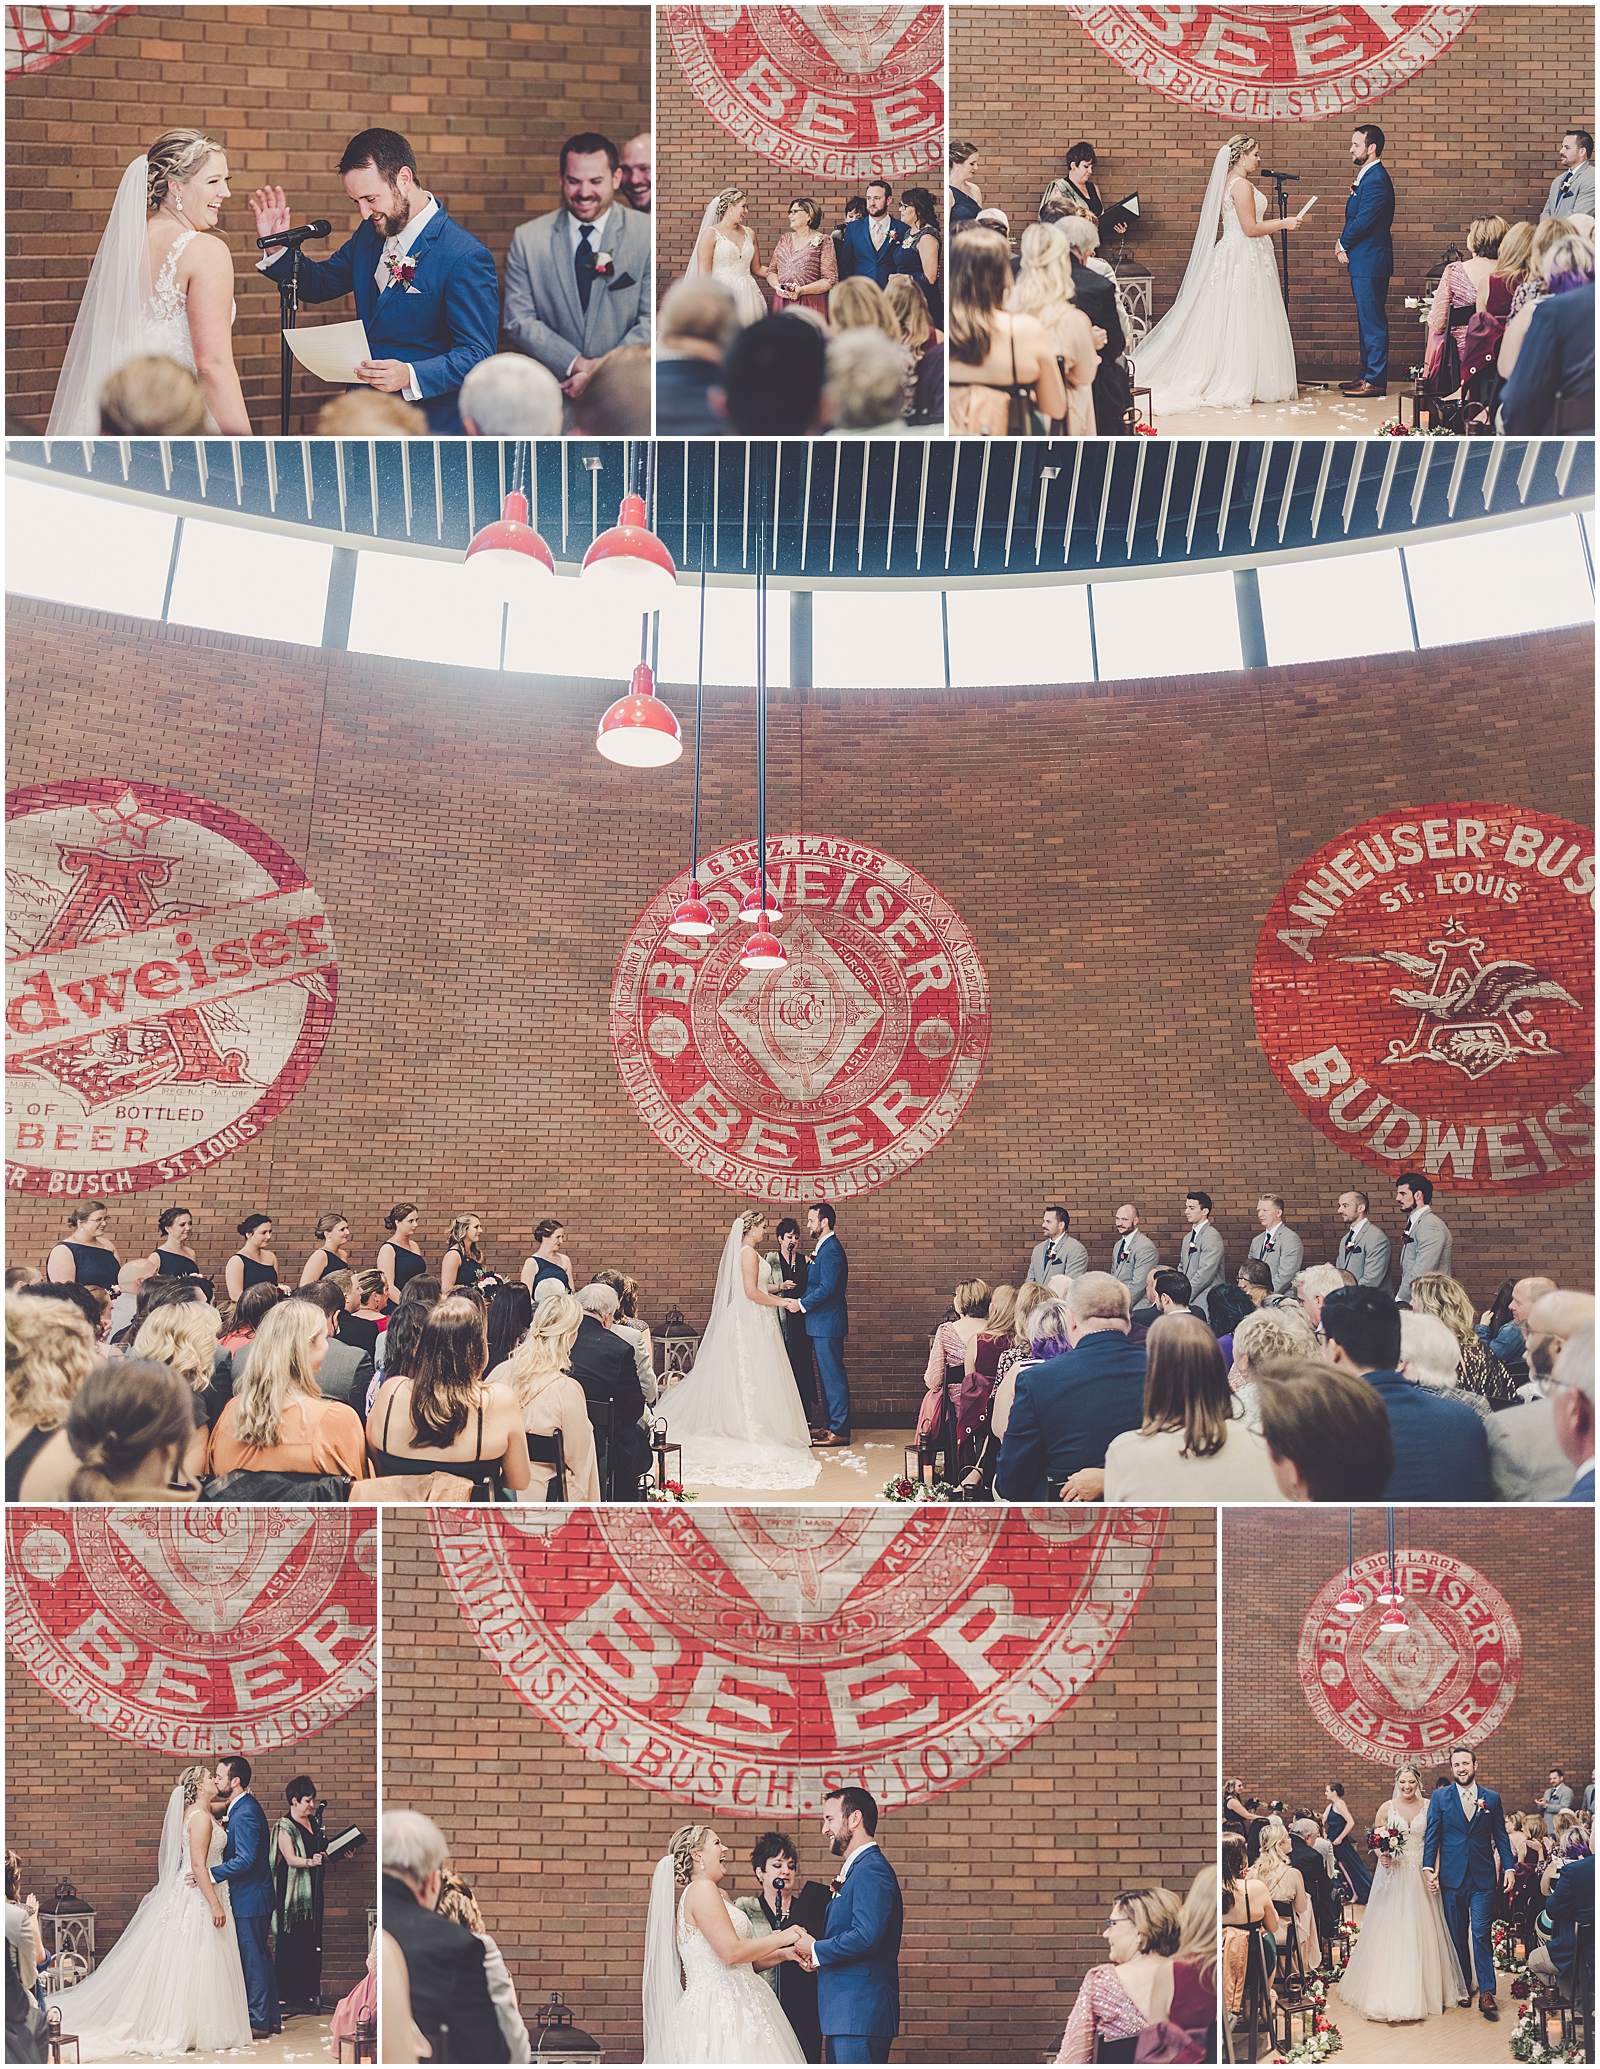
column 781, row 1904
column 425, row 289
column 787, row 1271
column 1079, row 188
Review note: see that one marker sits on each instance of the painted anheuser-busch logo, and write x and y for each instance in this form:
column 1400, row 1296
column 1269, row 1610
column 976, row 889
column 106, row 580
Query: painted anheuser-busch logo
column 750, row 1659
column 1424, row 990
column 1273, row 64
column 1447, row 1679
column 821, row 1080
column 39, row 37
column 170, row 982
column 843, row 93
column 196, row 1631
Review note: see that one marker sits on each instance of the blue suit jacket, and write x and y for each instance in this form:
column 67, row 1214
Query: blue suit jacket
column 827, row 1312
column 1558, row 352
column 247, row 1864
column 858, row 1959
column 1466, row 1856
column 1571, row 1904
column 1066, row 1411
column 866, row 263
column 1368, row 222
column 441, row 325
column 1440, row 1450
column 1582, row 1487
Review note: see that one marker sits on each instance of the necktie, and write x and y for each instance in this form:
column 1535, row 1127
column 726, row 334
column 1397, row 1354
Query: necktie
column 583, row 259
column 1122, row 1251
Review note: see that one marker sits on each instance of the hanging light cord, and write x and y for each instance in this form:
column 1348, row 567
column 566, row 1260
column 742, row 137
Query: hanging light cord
column 761, row 723
column 699, row 706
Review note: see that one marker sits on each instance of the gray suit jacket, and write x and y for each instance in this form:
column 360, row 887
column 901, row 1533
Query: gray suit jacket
column 1366, row 1254
column 1426, row 1249
column 543, row 315
column 1287, row 1256
column 1138, row 1259
column 1581, row 200
column 1200, row 1259
column 1071, row 1258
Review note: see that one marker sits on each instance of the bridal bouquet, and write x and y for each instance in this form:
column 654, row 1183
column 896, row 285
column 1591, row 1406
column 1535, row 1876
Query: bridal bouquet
column 1385, row 1841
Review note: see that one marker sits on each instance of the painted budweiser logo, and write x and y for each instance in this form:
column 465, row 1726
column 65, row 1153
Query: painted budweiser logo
column 1424, row 990
column 170, row 981
column 39, row 37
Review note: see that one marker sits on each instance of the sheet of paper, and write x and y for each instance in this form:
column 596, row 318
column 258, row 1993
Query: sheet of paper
column 1310, row 205
column 331, row 351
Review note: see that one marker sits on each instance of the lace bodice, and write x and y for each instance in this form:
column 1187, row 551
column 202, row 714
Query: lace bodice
column 1410, row 1855
column 730, row 261
column 1231, row 225
column 166, row 314
column 725, row 2014
column 701, row 1962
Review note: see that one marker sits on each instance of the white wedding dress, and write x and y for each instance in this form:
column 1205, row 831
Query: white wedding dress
column 721, row 2014
column 738, row 1414
column 730, row 266
column 173, row 1981
column 1404, row 1963
column 1225, row 342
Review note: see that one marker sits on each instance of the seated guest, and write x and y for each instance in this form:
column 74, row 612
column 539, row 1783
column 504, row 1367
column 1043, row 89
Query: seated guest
column 508, row 396
column 1166, row 1292
column 1430, row 1357
column 1094, row 291
column 1463, row 287
column 398, row 1343
column 452, row 1418
column 1570, row 1905
column 1044, row 288
column 1255, row 1278
column 130, row 1425
column 445, row 1963
column 1246, row 1909
column 1267, row 1334
column 1313, row 1285
column 1479, row 1371
column 1515, row 264
column 626, row 1324
column 1500, row 1326
column 151, row 397
column 1002, row 366
column 366, row 1303
column 1314, row 1872
column 184, row 1336
column 346, row 1371
column 538, row 1372
column 866, row 385
column 955, row 1342
column 249, row 1311
column 1572, row 1405
column 457, row 1902
column 50, row 1352
column 615, row 400
column 1067, row 1410
column 698, row 322
column 772, row 379
column 1119, row 1999
column 1440, row 1451
column 278, row 1420
column 19, row 1275
column 603, row 1366
column 1556, row 353
column 1226, row 1308
column 510, row 1313
column 1193, row 1444
column 860, row 304
column 359, row 413
column 1327, row 1433
column 1194, row 1966
column 925, row 348
column 1291, row 1899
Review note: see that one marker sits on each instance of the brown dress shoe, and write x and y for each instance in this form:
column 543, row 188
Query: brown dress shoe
column 1487, row 2005
column 1363, row 389
column 1464, row 2004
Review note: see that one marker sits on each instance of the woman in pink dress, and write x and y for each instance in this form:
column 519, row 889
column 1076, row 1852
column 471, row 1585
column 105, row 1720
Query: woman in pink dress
column 804, row 266
column 1117, row 2000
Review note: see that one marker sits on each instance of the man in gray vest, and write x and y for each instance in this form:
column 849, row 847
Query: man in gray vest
column 1200, row 1257
column 1133, row 1256
column 1058, row 1253
column 1427, row 1241
column 1363, row 1249
column 1277, row 1246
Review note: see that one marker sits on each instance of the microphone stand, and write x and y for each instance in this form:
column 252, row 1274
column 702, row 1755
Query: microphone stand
column 1280, row 181
column 319, row 1837
column 293, row 241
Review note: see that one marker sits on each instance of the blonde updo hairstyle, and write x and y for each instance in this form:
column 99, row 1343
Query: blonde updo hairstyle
column 175, row 156
column 1237, row 147
column 726, row 199
column 1410, row 1768
column 748, row 1220
column 1485, row 236
column 684, row 1844
column 191, row 1782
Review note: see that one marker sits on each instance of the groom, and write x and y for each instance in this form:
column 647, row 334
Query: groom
column 1366, row 251
column 828, row 1321
column 1464, row 1839
column 246, row 1865
column 425, row 289
column 858, row 1957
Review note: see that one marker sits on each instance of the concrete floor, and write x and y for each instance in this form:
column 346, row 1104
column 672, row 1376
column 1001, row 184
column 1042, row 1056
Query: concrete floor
column 1454, row 2036
column 1320, row 413
column 855, row 1473
column 303, row 2039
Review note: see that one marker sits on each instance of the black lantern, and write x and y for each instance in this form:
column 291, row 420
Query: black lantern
column 559, row 2040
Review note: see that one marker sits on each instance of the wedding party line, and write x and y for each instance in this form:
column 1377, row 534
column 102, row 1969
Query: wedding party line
column 1136, row 1383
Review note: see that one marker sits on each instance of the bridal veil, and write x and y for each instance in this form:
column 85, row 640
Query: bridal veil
column 109, row 330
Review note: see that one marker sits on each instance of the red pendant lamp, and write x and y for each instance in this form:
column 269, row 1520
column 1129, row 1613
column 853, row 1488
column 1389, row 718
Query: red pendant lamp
column 507, row 560
column 1390, row 1598
column 638, row 731
column 763, row 951
column 628, row 566
column 1350, row 1602
column 693, row 916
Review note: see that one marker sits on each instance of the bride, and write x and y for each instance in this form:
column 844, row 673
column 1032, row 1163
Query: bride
column 738, row 1414
column 702, row 1999
column 174, row 1980
column 160, row 286
column 1404, row 1963
column 1225, row 341
column 727, row 251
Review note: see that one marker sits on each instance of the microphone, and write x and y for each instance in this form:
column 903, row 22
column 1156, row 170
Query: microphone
column 1268, row 174
column 293, row 236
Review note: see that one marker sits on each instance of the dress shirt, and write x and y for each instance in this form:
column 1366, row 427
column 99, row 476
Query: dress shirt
column 850, row 1859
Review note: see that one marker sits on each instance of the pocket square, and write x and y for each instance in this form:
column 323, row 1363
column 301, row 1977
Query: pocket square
column 622, row 280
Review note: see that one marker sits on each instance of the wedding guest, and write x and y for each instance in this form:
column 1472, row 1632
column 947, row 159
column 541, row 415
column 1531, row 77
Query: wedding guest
column 346, row 1370
column 172, row 1258
column 510, row 1313
column 1430, row 1357
column 332, row 1253
column 1327, row 1433
column 154, row 397
column 698, row 322
column 615, row 400
column 867, row 380
column 463, row 1254
column 1254, row 1278
column 1572, row 189
column 860, row 304
column 457, row 1902
column 254, row 1264
column 625, row 1324
column 917, row 255
column 365, row 1307
column 1044, row 289
column 1002, row 365
column 539, row 1373
column 1463, row 287
column 1268, row 1335
column 1193, row 1444
column 445, row 1964
column 1194, row 1966
column 509, row 396
column 636, row 173
column 399, row 1345
column 94, row 1303
column 1555, row 356
column 295, row 1856
column 868, row 248
column 1479, row 1371
column 570, row 334
column 1095, row 293
column 804, row 267
column 1066, row 1410
column 359, row 414
column 925, row 350
column 50, row 1352
column 152, row 1294
column 1516, row 266
column 773, row 379
column 452, row 1417
column 1246, row 1909
column 1119, row 1999
column 131, row 1426
column 277, row 1420
column 1572, row 1407
column 19, row 1275
column 1500, row 1326
column 184, row 1336
column 1291, row 1899
column 981, row 1371
column 85, row 1256
column 400, row 1259
column 1440, row 1451
column 1569, row 1906
column 603, row 1366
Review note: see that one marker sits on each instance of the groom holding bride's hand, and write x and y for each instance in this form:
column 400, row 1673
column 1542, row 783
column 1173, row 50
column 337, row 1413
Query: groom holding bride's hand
column 1462, row 1844
column 858, row 1957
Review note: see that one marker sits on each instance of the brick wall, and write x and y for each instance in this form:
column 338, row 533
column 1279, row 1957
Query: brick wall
column 1472, row 134
column 1113, row 850
column 1005, row 1880
column 90, row 1807
column 484, row 94
column 1542, row 1563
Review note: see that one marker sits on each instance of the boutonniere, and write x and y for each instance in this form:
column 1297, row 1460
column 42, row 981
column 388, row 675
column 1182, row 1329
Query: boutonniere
column 604, row 265
column 402, row 270
column 835, row 1886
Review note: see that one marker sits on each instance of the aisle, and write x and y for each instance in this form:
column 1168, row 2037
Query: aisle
column 854, row 1473
column 1320, row 413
